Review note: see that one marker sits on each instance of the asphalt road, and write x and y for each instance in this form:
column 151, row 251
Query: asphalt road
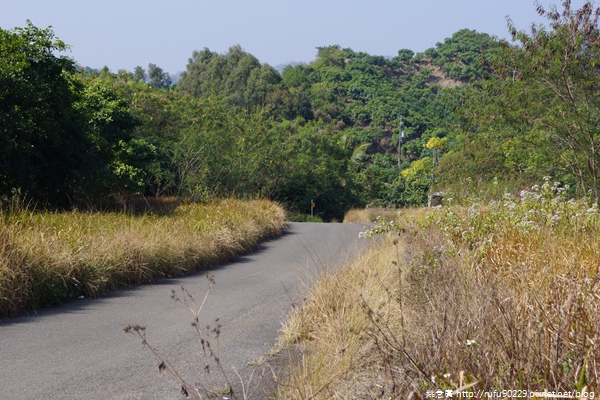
column 80, row 350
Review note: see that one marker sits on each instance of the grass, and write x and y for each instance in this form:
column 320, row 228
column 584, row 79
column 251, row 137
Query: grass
column 338, row 356
column 497, row 296
column 48, row 258
column 298, row 217
column 369, row 215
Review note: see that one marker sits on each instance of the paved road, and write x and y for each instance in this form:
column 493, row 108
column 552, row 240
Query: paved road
column 80, row 351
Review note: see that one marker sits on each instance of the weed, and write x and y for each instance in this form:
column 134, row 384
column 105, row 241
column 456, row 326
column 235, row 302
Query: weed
column 186, row 389
column 369, row 216
column 478, row 297
column 208, row 340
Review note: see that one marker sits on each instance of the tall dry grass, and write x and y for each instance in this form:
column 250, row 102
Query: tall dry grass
column 47, row 258
column 339, row 357
column 496, row 296
column 369, row 215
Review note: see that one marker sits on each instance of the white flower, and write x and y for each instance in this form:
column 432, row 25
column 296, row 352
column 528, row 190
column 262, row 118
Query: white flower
column 471, row 342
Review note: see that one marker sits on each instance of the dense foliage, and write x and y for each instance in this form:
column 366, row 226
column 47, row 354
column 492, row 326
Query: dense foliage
column 61, row 137
column 348, row 129
column 536, row 113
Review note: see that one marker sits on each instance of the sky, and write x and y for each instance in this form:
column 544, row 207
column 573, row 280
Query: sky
column 122, row 34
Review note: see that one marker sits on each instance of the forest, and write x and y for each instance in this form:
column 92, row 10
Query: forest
column 346, row 130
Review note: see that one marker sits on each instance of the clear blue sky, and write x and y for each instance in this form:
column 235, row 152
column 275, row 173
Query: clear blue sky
column 122, row 34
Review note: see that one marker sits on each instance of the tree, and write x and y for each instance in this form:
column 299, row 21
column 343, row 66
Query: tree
column 261, row 82
column 297, row 77
column 240, row 66
column 564, row 78
column 198, row 80
column 132, row 165
column 330, row 56
column 108, row 125
column 158, row 78
column 158, row 115
column 405, row 55
column 139, row 74
column 42, row 140
column 315, row 167
column 539, row 103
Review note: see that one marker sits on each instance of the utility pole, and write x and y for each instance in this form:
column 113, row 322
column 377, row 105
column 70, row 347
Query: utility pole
column 401, row 136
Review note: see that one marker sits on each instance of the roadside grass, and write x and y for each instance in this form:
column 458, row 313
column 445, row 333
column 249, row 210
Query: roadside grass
column 497, row 296
column 369, row 215
column 337, row 357
column 47, row 258
column 298, row 217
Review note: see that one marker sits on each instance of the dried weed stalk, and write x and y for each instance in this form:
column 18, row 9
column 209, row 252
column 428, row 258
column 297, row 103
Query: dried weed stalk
column 207, row 336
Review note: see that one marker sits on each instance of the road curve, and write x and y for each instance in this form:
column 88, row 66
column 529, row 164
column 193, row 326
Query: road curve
column 80, row 351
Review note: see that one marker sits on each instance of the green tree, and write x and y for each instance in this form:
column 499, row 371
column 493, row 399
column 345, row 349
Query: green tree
column 158, row 78
column 240, row 66
column 560, row 68
column 133, row 164
column 261, row 82
column 405, row 55
column 195, row 80
column 139, row 74
column 109, row 126
column 539, row 106
column 236, row 76
column 316, row 167
column 330, row 56
column 297, row 77
column 42, row 137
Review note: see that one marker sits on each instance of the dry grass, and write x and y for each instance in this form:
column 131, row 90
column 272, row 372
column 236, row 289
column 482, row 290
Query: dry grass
column 499, row 296
column 47, row 258
column 340, row 358
column 369, row 215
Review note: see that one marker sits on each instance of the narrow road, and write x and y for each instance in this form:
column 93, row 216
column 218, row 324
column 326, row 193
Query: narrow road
column 80, row 350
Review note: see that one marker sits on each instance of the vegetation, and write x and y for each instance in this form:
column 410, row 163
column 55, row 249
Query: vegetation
column 472, row 107
column 47, row 258
column 535, row 113
column 498, row 289
column 494, row 292
column 231, row 127
column 210, row 358
column 493, row 296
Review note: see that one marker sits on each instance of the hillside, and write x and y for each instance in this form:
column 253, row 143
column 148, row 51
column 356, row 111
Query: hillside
column 327, row 132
